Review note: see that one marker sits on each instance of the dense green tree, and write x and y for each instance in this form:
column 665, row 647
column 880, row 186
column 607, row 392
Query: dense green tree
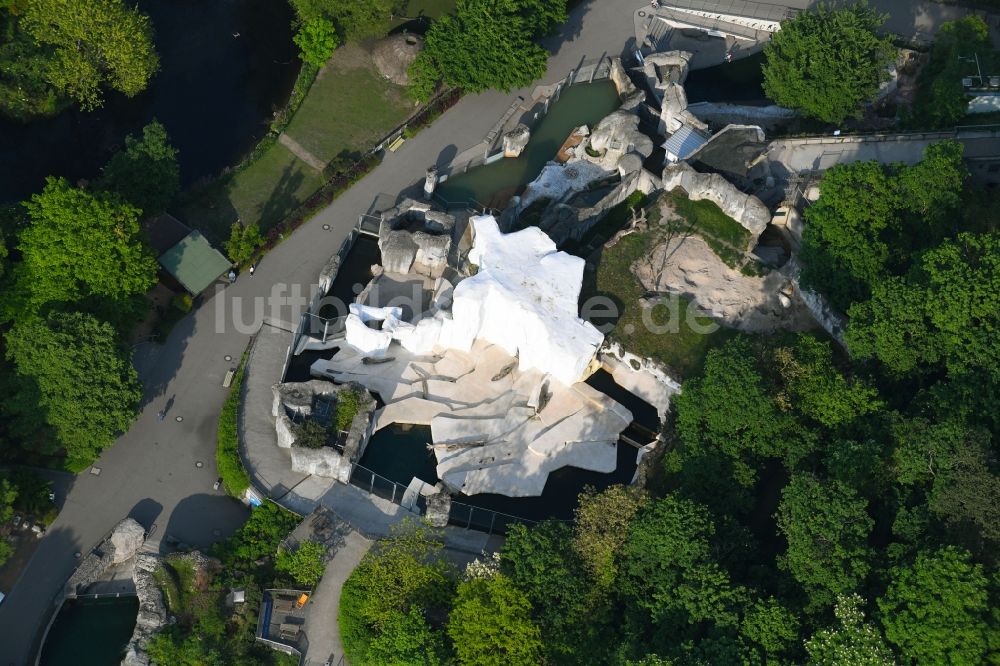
column 827, row 62
column 947, row 311
column 941, row 100
column 25, row 92
column 732, row 409
column 552, row 575
column 87, row 389
column 936, row 611
column 353, row 20
column 305, row 564
column 316, row 40
column 243, row 243
column 667, row 567
column 401, row 572
column 602, row 525
column 145, row 173
column 490, row 624
column 407, row 638
column 94, row 44
column 827, row 527
column 772, row 627
column 843, row 244
column 815, row 388
column 487, row 44
column 852, row 641
column 8, row 494
column 257, row 538
column 80, row 244
column 932, row 189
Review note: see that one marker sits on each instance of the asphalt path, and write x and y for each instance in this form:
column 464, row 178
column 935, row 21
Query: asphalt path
column 161, row 472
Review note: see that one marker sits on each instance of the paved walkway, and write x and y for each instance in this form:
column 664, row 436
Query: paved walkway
column 300, row 152
column 151, row 472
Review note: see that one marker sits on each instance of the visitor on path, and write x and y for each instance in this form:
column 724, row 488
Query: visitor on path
column 162, row 414
column 253, row 267
column 232, row 277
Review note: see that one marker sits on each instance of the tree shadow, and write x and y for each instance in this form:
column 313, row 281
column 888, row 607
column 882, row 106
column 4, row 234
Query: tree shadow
column 200, row 520
column 145, row 512
column 283, row 198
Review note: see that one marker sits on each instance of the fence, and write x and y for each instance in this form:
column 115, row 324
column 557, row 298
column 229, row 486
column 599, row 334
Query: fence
column 376, row 484
column 484, row 520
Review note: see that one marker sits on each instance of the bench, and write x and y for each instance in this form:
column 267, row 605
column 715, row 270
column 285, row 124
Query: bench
column 228, row 380
column 396, row 143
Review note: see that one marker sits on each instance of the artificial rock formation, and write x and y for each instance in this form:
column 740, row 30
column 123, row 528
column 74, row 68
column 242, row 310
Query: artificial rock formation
column 152, row 612
column 299, row 399
column 121, row 545
column 687, row 266
column 515, row 141
column 614, row 137
column 749, row 211
column 415, row 238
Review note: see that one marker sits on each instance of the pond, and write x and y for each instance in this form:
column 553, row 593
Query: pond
column 493, row 184
column 738, row 82
column 225, row 67
column 90, row 632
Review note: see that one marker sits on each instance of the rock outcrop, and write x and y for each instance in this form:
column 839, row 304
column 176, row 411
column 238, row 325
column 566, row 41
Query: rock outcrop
column 515, row 141
column 152, row 611
column 748, row 210
column 415, row 238
column 121, row 545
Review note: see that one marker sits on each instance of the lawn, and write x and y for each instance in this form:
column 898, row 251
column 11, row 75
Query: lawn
column 349, row 107
column 264, row 192
column 727, row 238
column 683, row 349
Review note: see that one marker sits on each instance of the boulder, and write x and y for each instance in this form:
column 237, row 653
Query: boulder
column 126, row 540
column 515, row 141
column 438, row 507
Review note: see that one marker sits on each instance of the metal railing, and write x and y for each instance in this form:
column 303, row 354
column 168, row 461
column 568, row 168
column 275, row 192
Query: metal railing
column 484, row 520
column 376, row 484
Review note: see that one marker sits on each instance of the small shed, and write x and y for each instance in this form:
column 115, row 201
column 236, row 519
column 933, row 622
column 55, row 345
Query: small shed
column 194, row 263
column 683, row 143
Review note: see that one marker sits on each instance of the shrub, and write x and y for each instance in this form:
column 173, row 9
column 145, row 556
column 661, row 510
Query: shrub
column 227, row 453
column 305, row 564
column 348, row 405
column 312, row 434
column 182, row 302
column 316, row 40
column 243, row 242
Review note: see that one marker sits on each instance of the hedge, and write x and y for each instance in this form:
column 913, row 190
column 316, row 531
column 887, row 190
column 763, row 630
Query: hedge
column 227, row 452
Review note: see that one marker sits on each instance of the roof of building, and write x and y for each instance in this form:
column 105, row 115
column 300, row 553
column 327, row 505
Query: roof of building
column 164, row 231
column 684, row 141
column 194, row 263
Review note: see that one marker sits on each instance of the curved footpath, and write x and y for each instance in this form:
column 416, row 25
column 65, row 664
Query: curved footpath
column 152, row 472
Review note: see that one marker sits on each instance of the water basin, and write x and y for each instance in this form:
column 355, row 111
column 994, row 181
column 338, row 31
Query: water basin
column 91, row 632
column 493, row 184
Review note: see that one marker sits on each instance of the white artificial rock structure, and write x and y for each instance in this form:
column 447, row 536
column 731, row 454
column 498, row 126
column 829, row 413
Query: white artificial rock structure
column 523, row 299
column 499, row 377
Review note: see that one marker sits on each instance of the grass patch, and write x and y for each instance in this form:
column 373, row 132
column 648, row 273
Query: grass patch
column 263, row 192
column 682, row 348
column 727, row 238
column 349, row 107
column 227, row 452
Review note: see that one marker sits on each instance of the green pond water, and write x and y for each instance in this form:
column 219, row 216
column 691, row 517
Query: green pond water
column 90, row 632
column 580, row 104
